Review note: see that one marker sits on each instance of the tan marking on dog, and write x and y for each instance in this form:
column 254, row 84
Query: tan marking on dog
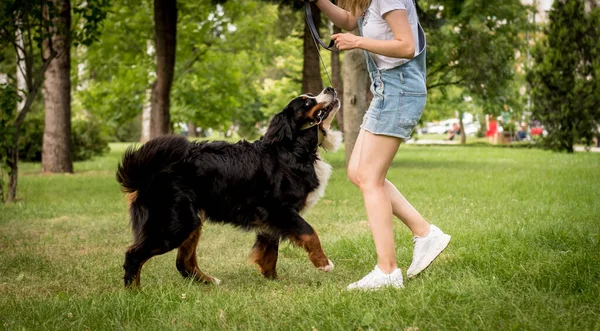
column 312, row 245
column 314, row 109
column 202, row 215
column 266, row 259
column 131, row 197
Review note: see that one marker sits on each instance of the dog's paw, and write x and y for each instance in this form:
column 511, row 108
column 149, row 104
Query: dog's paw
column 216, row 281
column 328, row 267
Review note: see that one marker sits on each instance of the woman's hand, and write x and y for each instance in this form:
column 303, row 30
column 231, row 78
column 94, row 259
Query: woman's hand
column 345, row 41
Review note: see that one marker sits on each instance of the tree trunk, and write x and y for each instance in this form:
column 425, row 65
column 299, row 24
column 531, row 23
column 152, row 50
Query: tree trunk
column 56, row 148
column 21, row 70
column 13, row 175
column 146, row 115
column 192, row 130
column 461, row 125
column 165, row 35
column 355, row 76
column 336, row 76
column 311, row 69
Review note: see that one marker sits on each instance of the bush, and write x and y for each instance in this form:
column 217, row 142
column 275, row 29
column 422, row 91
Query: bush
column 87, row 139
column 31, row 137
column 130, row 131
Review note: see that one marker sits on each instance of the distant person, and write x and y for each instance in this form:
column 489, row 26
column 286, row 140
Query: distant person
column 491, row 125
column 522, row 133
column 454, row 131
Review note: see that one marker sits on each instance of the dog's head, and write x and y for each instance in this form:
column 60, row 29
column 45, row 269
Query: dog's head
column 303, row 112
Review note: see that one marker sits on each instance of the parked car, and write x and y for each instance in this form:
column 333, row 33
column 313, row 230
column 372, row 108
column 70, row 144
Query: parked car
column 442, row 127
column 471, row 129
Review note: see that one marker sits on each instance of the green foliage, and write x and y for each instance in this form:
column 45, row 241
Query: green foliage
column 88, row 139
column 88, row 18
column 116, row 71
column 225, row 85
column 471, row 47
column 565, row 78
column 31, row 137
column 231, row 59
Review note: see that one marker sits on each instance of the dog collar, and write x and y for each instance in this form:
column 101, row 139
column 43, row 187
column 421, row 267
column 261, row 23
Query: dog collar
column 309, row 125
column 320, row 136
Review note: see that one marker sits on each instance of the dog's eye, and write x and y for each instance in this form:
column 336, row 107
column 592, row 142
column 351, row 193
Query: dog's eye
column 307, row 103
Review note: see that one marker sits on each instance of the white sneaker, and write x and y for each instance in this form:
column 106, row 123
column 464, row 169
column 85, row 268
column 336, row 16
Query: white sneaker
column 426, row 249
column 377, row 279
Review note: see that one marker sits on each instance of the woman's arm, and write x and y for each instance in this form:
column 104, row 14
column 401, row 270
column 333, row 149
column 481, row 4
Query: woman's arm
column 402, row 46
column 338, row 16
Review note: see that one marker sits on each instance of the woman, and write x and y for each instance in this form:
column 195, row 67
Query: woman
column 394, row 45
column 492, row 129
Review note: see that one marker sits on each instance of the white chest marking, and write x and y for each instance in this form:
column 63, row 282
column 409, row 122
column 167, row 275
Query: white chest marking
column 333, row 139
column 323, row 171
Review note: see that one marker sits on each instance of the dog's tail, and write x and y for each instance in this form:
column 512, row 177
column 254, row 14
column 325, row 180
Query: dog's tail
column 141, row 167
column 147, row 169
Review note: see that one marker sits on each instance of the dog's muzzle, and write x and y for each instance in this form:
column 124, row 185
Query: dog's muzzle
column 329, row 97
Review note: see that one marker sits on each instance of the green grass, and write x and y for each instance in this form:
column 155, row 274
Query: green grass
column 525, row 253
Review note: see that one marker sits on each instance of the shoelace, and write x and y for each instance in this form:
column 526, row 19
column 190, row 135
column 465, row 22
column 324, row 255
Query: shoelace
column 417, row 245
column 367, row 278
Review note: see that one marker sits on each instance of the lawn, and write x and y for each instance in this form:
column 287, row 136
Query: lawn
column 525, row 253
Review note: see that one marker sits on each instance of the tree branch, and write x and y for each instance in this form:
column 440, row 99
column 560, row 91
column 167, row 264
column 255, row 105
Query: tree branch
column 196, row 54
column 444, row 84
column 33, row 92
column 440, row 68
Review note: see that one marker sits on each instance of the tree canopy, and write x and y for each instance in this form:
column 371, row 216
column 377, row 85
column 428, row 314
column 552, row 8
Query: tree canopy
column 566, row 89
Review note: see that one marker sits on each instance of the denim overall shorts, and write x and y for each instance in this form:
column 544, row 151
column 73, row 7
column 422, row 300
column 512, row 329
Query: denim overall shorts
column 399, row 94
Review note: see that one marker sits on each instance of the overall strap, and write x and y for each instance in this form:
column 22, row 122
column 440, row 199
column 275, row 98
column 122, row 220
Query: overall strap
column 371, row 65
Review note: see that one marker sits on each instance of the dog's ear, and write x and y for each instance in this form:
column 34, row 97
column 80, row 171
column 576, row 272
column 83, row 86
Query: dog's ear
column 281, row 128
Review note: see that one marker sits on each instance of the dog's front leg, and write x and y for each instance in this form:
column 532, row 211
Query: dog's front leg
column 303, row 235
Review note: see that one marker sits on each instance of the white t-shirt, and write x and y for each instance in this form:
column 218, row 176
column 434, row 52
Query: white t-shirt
column 375, row 27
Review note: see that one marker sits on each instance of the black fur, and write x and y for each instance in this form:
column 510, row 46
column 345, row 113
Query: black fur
column 176, row 184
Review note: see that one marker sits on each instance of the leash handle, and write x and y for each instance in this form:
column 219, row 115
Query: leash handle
column 313, row 30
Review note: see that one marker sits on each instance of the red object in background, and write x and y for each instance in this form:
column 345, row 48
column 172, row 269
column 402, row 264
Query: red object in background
column 493, row 124
column 536, row 131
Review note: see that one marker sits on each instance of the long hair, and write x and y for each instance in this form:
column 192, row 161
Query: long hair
column 355, row 7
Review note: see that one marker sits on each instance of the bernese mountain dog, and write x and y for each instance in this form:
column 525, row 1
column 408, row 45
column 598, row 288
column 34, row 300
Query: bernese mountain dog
column 174, row 185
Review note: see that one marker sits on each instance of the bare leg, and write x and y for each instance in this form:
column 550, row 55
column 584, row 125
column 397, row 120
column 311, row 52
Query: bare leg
column 401, row 208
column 376, row 155
column 406, row 212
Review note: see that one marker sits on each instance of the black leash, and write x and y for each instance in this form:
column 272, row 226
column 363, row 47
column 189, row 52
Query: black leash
column 317, row 40
column 313, row 29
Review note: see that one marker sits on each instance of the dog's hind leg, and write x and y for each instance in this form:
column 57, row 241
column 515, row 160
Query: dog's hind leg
column 264, row 253
column 135, row 257
column 303, row 235
column 187, row 263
